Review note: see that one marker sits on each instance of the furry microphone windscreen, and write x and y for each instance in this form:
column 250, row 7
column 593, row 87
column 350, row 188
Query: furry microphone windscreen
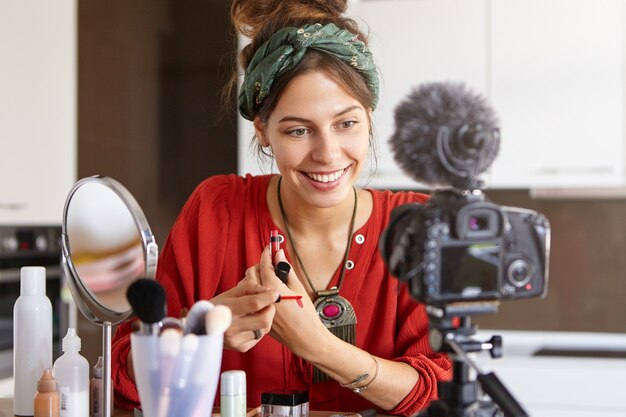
column 445, row 135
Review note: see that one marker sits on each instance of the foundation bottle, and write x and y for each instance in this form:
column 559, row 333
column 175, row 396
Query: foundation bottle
column 47, row 397
column 96, row 391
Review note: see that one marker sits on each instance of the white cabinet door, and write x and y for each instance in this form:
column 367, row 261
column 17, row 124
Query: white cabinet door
column 557, row 83
column 416, row 41
column 37, row 109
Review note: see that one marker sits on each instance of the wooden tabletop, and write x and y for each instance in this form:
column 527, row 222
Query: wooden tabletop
column 6, row 410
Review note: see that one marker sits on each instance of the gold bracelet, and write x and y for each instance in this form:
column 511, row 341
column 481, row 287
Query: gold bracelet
column 352, row 385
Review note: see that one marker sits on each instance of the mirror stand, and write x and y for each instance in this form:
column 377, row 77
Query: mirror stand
column 106, row 369
column 107, row 245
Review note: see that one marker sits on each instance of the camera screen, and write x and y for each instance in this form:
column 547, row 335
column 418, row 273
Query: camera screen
column 470, row 270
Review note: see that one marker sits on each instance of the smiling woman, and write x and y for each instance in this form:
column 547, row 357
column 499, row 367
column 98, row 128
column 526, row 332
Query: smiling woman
column 357, row 340
column 319, row 139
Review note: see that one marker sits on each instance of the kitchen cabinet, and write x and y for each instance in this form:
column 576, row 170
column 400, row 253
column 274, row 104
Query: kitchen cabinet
column 554, row 71
column 557, row 83
column 37, row 109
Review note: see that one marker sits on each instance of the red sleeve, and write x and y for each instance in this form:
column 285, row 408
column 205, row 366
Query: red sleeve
column 413, row 347
column 199, row 225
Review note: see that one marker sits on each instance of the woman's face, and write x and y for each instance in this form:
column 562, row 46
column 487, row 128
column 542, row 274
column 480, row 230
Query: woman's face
column 319, row 135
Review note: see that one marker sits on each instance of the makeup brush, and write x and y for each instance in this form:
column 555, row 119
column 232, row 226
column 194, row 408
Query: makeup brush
column 169, row 346
column 172, row 324
column 195, row 322
column 181, row 374
column 218, row 319
column 147, row 298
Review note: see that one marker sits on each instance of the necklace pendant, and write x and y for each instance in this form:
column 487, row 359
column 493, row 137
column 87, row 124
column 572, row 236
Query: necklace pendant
column 337, row 314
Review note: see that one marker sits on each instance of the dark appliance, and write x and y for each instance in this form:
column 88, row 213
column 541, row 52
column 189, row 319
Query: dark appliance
column 29, row 246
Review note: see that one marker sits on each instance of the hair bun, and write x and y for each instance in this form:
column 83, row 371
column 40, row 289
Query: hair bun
column 251, row 16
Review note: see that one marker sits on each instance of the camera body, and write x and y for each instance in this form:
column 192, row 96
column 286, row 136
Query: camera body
column 458, row 247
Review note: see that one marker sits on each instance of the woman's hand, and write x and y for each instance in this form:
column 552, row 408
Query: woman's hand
column 253, row 311
column 298, row 328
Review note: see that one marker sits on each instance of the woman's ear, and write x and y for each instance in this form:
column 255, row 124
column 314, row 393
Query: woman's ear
column 259, row 129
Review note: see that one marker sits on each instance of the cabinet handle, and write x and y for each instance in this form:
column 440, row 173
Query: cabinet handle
column 598, row 170
column 9, row 206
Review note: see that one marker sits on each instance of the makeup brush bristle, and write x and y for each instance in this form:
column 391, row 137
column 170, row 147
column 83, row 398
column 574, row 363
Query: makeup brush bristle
column 147, row 298
column 194, row 323
column 218, row 320
column 169, row 342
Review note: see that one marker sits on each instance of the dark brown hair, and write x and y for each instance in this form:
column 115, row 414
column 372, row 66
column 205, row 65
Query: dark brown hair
column 260, row 19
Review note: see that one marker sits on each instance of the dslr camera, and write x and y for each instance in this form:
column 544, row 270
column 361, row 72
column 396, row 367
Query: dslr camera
column 458, row 247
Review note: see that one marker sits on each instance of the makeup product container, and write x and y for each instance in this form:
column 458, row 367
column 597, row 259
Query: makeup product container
column 188, row 393
column 233, row 394
column 285, row 403
column 47, row 403
column 71, row 371
column 32, row 337
column 96, row 391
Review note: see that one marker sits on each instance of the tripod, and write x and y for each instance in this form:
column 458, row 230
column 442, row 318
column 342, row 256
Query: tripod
column 451, row 331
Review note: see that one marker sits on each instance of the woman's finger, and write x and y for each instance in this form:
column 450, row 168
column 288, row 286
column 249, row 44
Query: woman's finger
column 251, row 303
column 261, row 320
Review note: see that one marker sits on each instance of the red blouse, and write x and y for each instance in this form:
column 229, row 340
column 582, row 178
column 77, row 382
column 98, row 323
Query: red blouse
column 221, row 232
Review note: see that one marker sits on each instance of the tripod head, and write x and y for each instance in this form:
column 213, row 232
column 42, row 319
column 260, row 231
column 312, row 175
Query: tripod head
column 451, row 331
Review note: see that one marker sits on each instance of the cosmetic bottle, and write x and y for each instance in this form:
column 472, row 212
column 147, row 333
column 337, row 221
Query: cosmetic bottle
column 96, row 391
column 71, row 371
column 47, row 402
column 233, row 394
column 32, row 337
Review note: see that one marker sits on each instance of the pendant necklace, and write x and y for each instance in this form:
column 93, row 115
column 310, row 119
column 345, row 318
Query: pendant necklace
column 335, row 312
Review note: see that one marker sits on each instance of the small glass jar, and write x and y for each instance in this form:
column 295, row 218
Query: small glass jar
column 285, row 403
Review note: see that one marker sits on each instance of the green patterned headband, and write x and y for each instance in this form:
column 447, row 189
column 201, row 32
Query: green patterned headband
column 286, row 48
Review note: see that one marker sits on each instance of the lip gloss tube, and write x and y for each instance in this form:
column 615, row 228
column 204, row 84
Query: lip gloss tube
column 274, row 244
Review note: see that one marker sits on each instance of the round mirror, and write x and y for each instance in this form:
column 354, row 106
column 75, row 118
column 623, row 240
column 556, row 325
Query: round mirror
column 107, row 245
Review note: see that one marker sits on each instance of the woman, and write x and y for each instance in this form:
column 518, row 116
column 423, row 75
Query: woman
column 309, row 89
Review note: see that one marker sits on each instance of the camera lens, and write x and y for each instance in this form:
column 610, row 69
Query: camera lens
column 519, row 272
column 478, row 223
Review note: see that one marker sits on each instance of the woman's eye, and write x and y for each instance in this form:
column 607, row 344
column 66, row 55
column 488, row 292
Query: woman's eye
column 348, row 124
column 298, row 132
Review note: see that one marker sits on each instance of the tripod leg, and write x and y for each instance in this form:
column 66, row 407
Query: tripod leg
column 501, row 396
